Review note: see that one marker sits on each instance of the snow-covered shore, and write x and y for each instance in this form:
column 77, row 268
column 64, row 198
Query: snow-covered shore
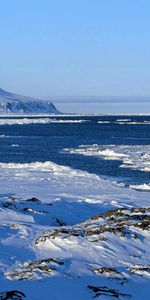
column 67, row 234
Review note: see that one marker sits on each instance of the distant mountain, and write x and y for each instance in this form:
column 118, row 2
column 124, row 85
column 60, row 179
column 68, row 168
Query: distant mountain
column 11, row 103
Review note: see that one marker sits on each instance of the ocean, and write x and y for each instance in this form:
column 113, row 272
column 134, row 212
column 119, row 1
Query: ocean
column 116, row 147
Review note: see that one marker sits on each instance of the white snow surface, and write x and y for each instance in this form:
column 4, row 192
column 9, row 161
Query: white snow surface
column 11, row 103
column 44, row 250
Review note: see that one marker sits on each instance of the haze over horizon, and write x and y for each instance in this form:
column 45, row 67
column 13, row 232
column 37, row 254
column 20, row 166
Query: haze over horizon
column 75, row 49
column 86, row 104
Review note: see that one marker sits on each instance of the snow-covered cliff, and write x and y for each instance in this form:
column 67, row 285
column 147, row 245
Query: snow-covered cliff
column 16, row 104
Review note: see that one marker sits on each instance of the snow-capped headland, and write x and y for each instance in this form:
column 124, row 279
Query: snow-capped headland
column 11, row 103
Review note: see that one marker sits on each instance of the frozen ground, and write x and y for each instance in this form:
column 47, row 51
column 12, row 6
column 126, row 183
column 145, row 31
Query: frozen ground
column 68, row 234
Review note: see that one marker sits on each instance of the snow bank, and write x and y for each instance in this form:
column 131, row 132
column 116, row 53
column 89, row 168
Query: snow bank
column 71, row 235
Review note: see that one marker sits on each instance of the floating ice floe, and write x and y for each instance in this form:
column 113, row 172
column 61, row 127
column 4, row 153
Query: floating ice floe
column 26, row 121
column 134, row 157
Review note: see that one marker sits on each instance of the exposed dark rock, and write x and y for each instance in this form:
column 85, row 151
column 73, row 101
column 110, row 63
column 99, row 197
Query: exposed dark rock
column 120, row 221
column 15, row 295
column 59, row 222
column 9, row 205
column 110, row 273
column 12, row 198
column 106, row 271
column 34, row 269
column 141, row 270
column 52, row 234
column 105, row 291
column 34, row 199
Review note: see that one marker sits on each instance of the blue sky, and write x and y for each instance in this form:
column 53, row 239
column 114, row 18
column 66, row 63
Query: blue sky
column 75, row 47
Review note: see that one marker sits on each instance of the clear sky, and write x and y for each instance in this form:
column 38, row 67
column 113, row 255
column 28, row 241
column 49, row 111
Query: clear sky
column 75, row 47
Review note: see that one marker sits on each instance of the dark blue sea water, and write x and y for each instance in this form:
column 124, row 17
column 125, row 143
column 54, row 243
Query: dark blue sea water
column 45, row 142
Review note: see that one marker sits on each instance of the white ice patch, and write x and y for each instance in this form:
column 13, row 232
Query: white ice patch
column 144, row 187
column 133, row 122
column 134, row 157
column 24, row 121
column 124, row 121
